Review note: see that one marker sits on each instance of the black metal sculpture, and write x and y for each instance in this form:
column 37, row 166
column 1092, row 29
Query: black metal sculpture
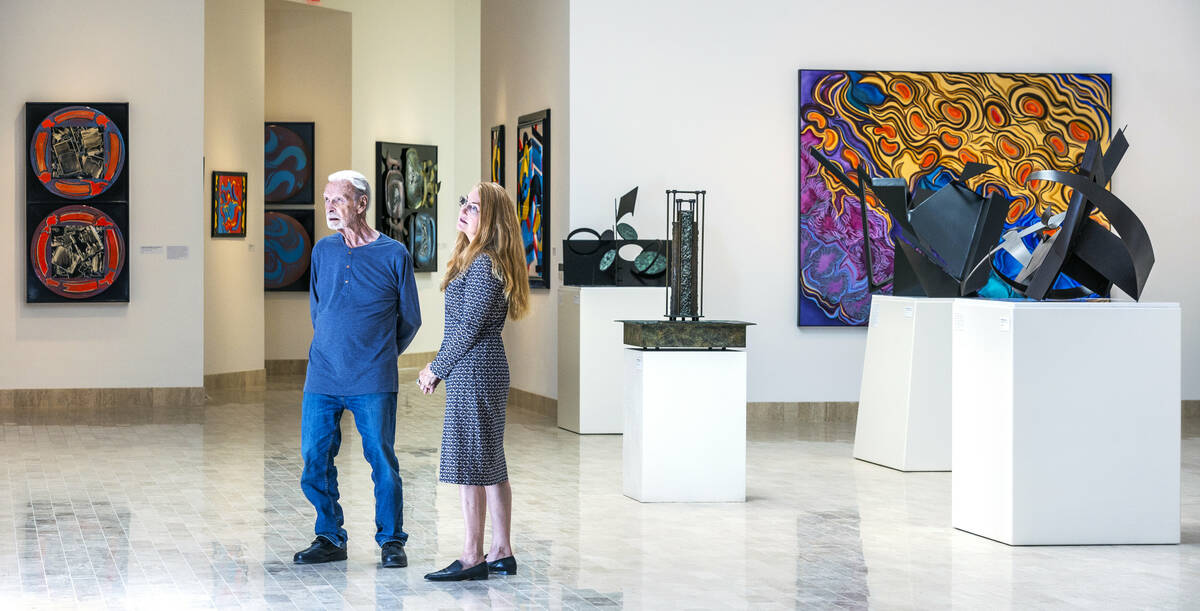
column 947, row 236
column 685, row 288
column 598, row 261
column 685, row 277
column 1082, row 248
column 940, row 233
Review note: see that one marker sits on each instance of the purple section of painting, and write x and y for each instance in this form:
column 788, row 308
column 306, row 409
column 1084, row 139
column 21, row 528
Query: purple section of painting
column 833, row 279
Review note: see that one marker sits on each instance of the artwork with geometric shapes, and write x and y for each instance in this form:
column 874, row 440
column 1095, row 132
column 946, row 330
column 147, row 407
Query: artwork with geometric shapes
column 533, row 193
column 406, row 199
column 1097, row 241
column 932, row 131
column 77, row 152
column 616, row 256
column 287, row 249
column 77, row 253
column 939, row 237
column 498, row 155
column 228, row 204
column 288, row 157
column 944, row 236
column 77, row 202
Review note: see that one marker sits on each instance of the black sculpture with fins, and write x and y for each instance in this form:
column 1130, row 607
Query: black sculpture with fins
column 939, row 235
column 945, row 238
column 1082, row 248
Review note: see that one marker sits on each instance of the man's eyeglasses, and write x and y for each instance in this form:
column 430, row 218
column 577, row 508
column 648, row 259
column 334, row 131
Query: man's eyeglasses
column 468, row 206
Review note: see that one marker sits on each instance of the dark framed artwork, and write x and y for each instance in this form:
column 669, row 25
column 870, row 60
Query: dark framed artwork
column 533, row 193
column 498, row 155
column 77, row 151
column 287, row 249
column 77, row 252
column 406, row 199
column 77, row 202
column 926, row 127
column 289, row 158
column 228, row 204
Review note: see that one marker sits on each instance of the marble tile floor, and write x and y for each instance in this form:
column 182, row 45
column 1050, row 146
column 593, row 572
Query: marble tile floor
column 201, row 508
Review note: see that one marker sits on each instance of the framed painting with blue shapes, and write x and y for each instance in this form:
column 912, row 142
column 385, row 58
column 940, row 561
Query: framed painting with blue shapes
column 288, row 158
column 228, row 205
column 287, row 249
column 533, row 193
column 498, row 155
column 406, row 199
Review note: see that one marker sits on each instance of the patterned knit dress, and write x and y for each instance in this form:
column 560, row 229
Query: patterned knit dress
column 475, row 369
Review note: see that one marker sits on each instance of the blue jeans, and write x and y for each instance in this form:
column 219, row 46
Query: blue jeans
column 320, row 438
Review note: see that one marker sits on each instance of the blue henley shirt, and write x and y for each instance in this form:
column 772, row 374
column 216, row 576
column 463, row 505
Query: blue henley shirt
column 365, row 312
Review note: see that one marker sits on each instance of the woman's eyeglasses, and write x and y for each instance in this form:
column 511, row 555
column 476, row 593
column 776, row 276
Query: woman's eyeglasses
column 468, row 206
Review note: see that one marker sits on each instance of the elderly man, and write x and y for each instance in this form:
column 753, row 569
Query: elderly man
column 363, row 301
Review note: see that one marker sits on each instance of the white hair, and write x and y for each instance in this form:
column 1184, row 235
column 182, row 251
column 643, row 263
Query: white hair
column 357, row 181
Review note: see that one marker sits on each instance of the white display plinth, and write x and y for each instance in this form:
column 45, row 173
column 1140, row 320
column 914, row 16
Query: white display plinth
column 590, row 361
column 904, row 401
column 685, row 425
column 1066, row 422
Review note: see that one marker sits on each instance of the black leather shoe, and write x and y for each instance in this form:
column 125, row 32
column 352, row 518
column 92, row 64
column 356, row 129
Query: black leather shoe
column 503, row 566
column 456, row 572
column 392, row 555
column 321, row 550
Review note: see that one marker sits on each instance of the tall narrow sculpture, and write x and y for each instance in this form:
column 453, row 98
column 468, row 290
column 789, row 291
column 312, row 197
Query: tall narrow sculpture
column 685, row 288
column 685, row 284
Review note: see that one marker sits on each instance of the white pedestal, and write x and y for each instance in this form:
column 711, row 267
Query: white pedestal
column 904, row 404
column 685, row 425
column 590, row 362
column 1066, row 422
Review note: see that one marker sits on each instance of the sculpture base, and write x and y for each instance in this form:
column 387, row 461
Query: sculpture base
column 685, row 333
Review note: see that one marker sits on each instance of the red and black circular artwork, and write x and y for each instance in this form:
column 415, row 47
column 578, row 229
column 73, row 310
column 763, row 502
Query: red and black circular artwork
column 77, row 152
column 77, row 252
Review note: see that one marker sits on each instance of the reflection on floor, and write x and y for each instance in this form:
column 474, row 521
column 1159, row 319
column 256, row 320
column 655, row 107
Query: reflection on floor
column 202, row 507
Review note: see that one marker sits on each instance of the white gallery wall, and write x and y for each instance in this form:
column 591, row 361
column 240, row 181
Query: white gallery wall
column 150, row 54
column 524, row 69
column 233, row 142
column 308, row 78
column 702, row 94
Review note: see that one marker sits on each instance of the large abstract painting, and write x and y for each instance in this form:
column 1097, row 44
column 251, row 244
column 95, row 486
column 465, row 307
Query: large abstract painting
column 288, row 159
column 228, row 204
column 926, row 127
column 406, row 199
column 533, row 193
column 287, row 249
column 77, row 202
column 498, row 155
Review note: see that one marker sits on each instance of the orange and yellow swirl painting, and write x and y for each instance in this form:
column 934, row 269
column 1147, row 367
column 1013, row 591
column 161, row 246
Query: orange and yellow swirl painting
column 924, row 127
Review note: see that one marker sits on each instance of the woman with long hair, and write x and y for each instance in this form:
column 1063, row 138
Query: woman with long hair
column 486, row 282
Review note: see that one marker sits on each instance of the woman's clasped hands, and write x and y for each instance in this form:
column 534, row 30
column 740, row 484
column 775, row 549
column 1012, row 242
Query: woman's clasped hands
column 427, row 380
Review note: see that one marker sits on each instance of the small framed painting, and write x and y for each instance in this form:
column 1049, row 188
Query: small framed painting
column 498, row 155
column 228, row 204
column 533, row 193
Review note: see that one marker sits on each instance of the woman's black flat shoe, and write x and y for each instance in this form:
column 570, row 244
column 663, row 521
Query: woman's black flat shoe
column 503, row 566
column 456, row 572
